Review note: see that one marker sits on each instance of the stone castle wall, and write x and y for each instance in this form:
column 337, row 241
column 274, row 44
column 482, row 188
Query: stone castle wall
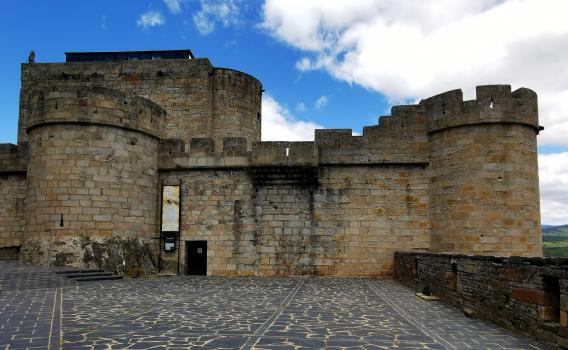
column 444, row 175
column 268, row 223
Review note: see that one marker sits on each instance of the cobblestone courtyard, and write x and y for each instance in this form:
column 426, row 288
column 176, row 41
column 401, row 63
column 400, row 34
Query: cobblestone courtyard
column 42, row 310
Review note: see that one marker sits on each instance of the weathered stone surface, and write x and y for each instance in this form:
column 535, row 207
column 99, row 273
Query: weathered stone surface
column 126, row 256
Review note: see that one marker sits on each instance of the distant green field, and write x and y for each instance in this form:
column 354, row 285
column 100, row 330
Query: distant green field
column 555, row 248
column 555, row 240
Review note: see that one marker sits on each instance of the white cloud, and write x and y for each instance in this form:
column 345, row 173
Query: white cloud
column 203, row 24
column 212, row 12
column 304, row 64
column 553, row 174
column 173, row 5
column 409, row 50
column 322, row 102
column 150, row 19
column 103, row 22
column 278, row 124
column 300, row 107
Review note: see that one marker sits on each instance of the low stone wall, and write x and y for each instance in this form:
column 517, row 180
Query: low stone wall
column 529, row 295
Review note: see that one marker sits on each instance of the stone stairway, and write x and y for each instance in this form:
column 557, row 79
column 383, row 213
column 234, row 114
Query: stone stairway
column 88, row 275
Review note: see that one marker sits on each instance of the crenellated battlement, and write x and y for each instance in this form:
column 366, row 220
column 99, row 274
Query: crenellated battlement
column 13, row 158
column 399, row 138
column 95, row 105
column 493, row 104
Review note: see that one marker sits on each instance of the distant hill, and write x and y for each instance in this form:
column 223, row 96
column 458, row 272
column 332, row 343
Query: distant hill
column 548, row 230
column 555, row 240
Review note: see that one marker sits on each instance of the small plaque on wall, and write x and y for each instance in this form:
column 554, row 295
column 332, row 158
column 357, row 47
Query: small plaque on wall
column 170, row 208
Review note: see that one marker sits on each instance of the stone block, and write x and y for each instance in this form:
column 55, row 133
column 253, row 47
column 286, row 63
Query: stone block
column 548, row 313
column 234, row 144
column 531, row 296
column 470, row 267
column 202, row 145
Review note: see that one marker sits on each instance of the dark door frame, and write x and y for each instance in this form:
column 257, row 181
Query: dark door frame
column 199, row 266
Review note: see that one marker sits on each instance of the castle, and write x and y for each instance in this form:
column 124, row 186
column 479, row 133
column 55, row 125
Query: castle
column 162, row 151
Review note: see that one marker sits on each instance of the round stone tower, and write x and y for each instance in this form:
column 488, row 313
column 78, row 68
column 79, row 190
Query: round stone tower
column 92, row 167
column 237, row 101
column 484, row 196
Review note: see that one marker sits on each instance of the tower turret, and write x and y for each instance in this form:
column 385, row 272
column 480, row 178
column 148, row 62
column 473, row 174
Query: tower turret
column 483, row 174
column 93, row 167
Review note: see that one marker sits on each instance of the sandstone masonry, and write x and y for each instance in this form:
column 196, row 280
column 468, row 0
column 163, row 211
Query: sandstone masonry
column 98, row 140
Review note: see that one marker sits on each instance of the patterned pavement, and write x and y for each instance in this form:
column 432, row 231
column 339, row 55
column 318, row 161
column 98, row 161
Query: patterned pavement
column 41, row 310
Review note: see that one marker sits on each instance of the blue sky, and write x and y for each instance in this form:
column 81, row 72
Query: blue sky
column 323, row 63
column 52, row 27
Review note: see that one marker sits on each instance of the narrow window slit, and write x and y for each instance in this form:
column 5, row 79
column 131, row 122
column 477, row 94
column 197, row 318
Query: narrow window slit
column 454, row 276
column 551, row 289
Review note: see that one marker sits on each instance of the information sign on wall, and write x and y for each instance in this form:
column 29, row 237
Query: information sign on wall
column 170, row 208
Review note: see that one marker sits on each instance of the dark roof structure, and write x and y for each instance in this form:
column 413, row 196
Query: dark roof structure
column 127, row 55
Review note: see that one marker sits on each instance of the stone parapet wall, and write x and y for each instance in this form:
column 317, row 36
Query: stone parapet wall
column 529, row 295
column 13, row 158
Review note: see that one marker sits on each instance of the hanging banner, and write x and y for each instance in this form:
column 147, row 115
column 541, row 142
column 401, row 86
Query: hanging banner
column 170, row 208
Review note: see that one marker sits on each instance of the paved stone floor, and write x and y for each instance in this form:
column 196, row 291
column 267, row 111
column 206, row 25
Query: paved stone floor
column 41, row 310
